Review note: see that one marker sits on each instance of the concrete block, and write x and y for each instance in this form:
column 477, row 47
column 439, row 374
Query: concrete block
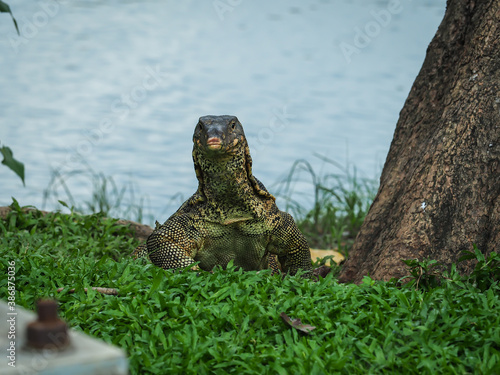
column 85, row 355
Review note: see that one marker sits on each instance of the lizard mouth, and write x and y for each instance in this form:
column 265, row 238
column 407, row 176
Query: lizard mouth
column 214, row 143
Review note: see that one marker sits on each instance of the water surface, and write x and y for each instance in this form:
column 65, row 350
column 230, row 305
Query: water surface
column 121, row 84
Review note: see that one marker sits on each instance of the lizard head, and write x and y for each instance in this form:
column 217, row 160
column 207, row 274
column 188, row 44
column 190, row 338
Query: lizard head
column 218, row 138
column 218, row 135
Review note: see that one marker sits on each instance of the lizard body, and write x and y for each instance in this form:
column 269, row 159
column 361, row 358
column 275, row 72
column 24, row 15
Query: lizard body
column 231, row 216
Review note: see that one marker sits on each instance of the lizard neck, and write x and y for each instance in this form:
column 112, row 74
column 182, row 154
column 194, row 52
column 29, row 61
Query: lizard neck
column 227, row 188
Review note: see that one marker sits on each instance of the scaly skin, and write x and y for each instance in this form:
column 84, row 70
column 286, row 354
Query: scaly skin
column 231, row 216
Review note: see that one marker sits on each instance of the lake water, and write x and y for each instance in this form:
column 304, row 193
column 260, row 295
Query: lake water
column 119, row 85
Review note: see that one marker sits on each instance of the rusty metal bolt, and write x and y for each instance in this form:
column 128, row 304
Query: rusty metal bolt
column 48, row 332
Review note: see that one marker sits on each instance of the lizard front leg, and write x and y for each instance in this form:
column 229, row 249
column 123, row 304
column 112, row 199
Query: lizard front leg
column 290, row 245
column 173, row 244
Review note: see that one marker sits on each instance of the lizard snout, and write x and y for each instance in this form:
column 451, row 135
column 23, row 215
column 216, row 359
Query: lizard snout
column 214, row 143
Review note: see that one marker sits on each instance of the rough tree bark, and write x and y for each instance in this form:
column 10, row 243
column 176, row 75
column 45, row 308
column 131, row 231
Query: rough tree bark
column 439, row 189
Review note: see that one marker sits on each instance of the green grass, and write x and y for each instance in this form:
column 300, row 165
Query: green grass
column 229, row 321
column 341, row 200
column 341, row 203
column 105, row 197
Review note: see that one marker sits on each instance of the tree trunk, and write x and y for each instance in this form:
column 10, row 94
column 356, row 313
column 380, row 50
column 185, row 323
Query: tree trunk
column 440, row 186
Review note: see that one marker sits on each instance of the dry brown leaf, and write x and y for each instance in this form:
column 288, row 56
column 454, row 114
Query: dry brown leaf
column 110, row 291
column 337, row 257
column 297, row 324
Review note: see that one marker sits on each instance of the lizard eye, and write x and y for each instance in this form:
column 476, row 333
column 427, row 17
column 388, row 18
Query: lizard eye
column 200, row 126
column 233, row 125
